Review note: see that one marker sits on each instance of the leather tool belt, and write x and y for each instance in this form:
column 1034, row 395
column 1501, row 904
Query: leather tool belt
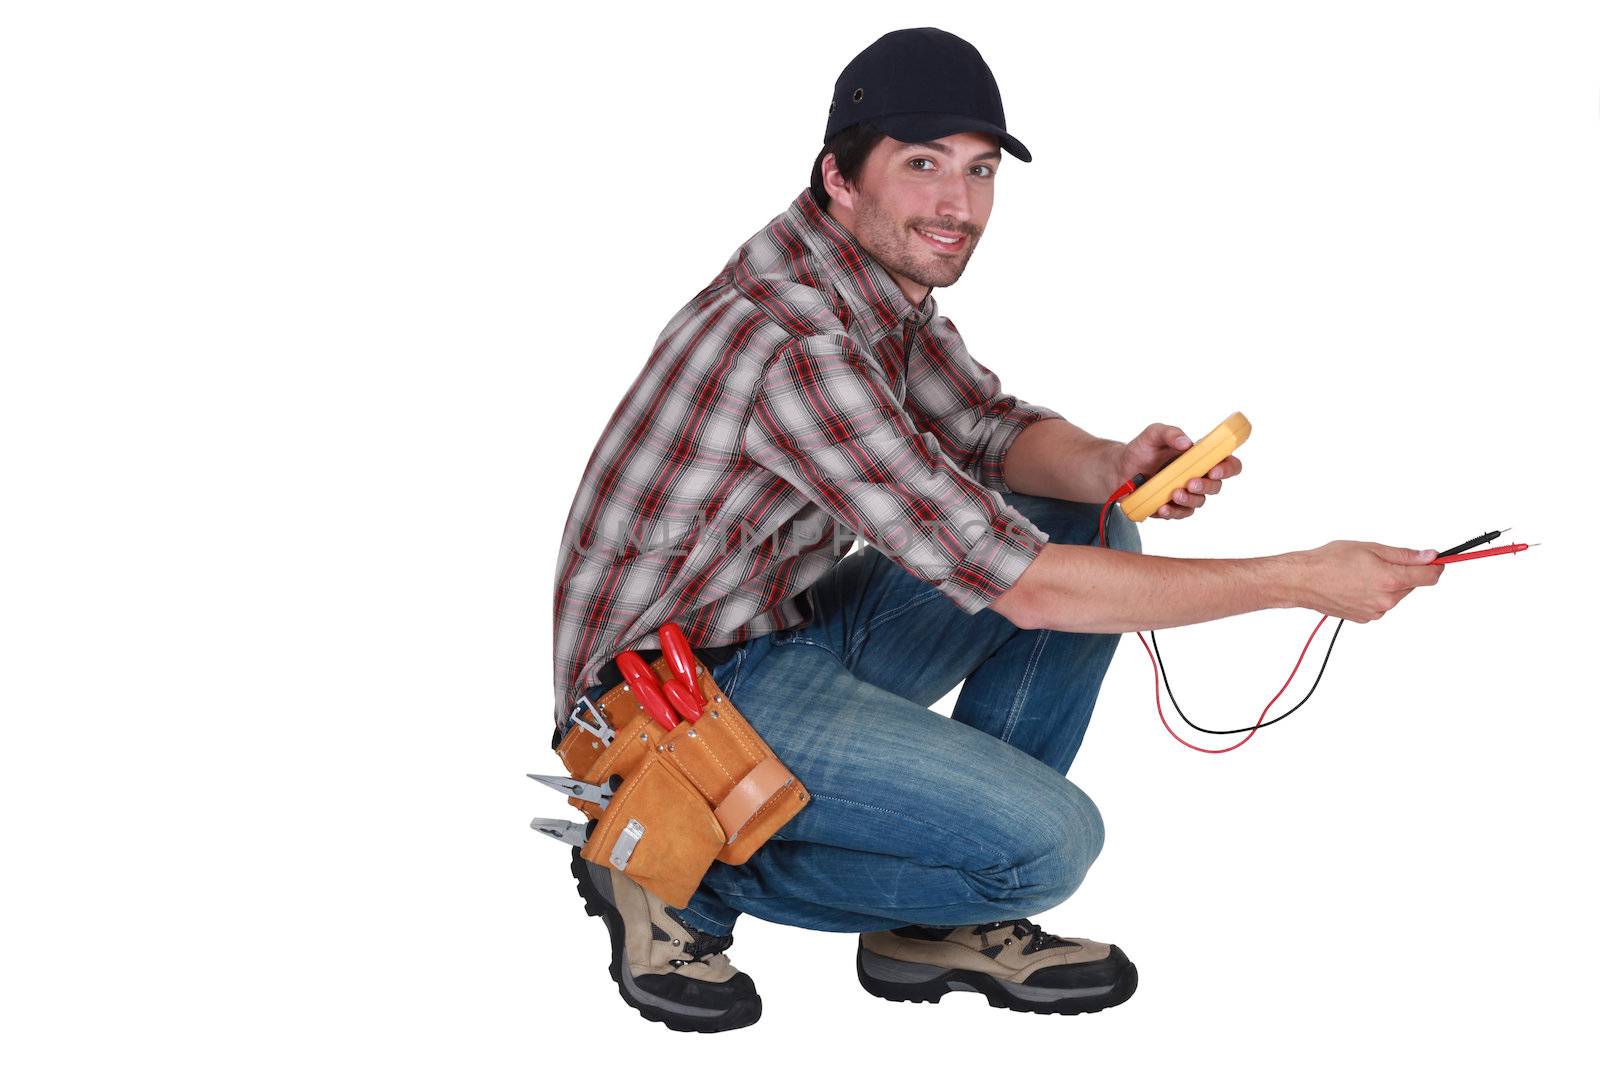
column 706, row 789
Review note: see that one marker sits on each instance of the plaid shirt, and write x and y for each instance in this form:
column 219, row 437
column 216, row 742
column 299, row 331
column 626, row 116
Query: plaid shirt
column 797, row 401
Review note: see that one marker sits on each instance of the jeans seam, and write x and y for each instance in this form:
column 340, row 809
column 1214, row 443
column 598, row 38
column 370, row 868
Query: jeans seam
column 733, row 677
column 817, row 644
column 721, row 926
column 1024, row 686
column 875, row 621
column 978, row 845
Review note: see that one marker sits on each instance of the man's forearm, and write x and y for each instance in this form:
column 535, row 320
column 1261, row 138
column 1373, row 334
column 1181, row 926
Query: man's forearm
column 1054, row 458
column 1083, row 589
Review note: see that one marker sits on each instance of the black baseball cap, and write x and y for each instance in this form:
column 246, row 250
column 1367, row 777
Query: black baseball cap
column 919, row 85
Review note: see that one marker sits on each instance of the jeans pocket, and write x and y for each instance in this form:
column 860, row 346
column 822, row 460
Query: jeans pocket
column 726, row 674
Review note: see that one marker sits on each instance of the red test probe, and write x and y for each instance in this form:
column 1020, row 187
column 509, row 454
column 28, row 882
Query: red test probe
column 1501, row 551
column 1459, row 554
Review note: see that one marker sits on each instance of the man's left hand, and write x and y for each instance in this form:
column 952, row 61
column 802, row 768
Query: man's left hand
column 1159, row 445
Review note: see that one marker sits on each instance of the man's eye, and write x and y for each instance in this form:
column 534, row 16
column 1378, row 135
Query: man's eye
column 921, row 159
column 984, row 167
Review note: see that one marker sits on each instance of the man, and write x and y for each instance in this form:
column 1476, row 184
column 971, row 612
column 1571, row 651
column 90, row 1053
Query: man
column 812, row 393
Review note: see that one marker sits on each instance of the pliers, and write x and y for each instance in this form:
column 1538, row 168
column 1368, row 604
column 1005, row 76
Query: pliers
column 595, row 794
column 573, row 833
column 661, row 698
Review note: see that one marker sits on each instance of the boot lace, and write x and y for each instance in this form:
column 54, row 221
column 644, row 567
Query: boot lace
column 702, row 947
column 1020, row 928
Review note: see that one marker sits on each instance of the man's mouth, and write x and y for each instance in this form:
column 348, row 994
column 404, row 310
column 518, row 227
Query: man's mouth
column 943, row 240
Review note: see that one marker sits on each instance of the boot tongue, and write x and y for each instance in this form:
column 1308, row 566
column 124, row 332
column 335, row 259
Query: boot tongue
column 925, row 933
column 1037, row 938
column 698, row 945
column 708, row 945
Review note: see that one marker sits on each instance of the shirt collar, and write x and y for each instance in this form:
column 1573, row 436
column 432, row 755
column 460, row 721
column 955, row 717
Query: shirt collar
column 862, row 281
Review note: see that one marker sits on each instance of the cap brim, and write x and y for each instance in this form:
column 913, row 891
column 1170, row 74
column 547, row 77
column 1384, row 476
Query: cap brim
column 927, row 126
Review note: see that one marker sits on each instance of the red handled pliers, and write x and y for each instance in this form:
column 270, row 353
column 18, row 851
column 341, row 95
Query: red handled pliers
column 660, row 698
column 683, row 690
column 642, row 680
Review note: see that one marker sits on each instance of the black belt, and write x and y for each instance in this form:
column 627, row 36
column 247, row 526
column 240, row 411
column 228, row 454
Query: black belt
column 611, row 677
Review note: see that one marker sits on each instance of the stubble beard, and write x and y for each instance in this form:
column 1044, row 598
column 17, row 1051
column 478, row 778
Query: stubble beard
column 896, row 246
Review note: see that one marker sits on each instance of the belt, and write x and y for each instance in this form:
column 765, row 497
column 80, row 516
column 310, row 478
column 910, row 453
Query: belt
column 610, row 676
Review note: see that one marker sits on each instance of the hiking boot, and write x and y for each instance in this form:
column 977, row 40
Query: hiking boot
column 1013, row 963
column 667, row 970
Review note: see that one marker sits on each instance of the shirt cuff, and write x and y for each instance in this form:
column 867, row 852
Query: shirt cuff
column 997, row 559
column 992, row 469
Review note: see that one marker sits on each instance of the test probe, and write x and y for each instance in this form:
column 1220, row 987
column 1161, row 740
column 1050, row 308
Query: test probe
column 1140, row 497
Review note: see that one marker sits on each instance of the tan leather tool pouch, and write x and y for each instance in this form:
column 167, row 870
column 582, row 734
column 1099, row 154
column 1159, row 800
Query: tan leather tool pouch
column 703, row 791
column 658, row 831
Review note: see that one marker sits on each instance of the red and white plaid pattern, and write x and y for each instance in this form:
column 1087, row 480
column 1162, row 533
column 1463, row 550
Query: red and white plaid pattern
column 797, row 401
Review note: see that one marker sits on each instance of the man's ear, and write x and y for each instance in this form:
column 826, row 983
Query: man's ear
column 838, row 189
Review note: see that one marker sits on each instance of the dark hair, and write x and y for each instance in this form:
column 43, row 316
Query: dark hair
column 850, row 148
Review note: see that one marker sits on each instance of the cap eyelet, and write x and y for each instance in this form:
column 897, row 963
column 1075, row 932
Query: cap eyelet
column 858, row 95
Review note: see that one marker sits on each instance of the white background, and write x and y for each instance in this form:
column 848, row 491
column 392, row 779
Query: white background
column 313, row 312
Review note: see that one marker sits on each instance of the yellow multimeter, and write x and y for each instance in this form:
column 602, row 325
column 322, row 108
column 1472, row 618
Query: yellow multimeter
column 1206, row 453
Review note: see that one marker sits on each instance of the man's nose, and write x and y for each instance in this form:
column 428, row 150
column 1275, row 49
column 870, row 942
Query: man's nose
column 955, row 199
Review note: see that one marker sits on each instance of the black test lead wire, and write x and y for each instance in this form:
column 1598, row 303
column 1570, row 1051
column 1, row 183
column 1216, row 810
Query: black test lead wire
column 1167, row 683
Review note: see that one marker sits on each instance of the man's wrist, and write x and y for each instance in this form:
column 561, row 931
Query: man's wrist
column 1094, row 472
column 1281, row 579
column 1109, row 463
column 1088, row 473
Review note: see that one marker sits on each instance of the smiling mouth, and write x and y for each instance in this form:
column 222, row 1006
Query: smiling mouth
column 943, row 240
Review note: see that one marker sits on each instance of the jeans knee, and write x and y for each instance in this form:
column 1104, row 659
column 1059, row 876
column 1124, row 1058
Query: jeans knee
column 1081, row 836
column 1050, row 858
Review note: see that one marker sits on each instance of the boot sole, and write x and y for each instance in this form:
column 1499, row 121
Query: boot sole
column 653, row 1008
column 922, row 983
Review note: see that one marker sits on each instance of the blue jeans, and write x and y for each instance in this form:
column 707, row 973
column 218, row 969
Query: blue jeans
column 915, row 817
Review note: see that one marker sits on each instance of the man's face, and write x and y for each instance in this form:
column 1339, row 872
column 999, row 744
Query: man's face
column 919, row 209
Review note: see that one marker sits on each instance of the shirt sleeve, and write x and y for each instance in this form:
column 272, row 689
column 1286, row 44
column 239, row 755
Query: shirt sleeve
column 826, row 421
column 961, row 402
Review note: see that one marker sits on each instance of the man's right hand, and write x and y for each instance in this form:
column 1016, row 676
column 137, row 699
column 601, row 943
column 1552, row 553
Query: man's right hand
column 1360, row 580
